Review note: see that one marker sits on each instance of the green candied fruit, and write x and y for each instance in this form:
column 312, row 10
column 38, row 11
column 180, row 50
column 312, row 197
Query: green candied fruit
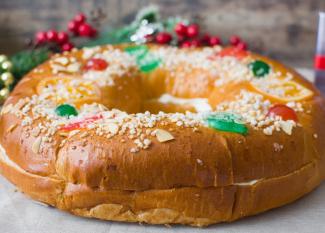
column 228, row 122
column 66, row 110
column 137, row 50
column 259, row 68
column 148, row 62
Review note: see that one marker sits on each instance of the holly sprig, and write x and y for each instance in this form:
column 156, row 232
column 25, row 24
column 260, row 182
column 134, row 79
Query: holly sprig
column 147, row 27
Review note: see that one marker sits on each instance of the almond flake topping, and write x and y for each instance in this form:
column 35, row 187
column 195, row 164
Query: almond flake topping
column 6, row 109
column 163, row 135
column 11, row 128
column 36, row 145
column 141, row 128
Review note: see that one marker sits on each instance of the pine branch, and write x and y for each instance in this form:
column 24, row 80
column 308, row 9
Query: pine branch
column 26, row 60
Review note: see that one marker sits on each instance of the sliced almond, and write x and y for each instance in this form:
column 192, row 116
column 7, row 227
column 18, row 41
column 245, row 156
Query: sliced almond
column 6, row 109
column 62, row 60
column 36, row 145
column 286, row 127
column 36, row 131
column 73, row 67
column 64, row 134
column 21, row 103
column 74, row 132
column 163, row 135
column 11, row 128
column 102, row 107
column 57, row 67
column 84, row 134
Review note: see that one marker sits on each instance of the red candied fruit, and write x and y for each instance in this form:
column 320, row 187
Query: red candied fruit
column 82, row 123
column 96, row 64
column 285, row 112
column 233, row 51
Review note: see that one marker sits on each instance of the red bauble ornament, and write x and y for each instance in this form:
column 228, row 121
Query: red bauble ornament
column 67, row 46
column 73, row 27
column 192, row 30
column 214, row 40
column 63, row 37
column 180, row 29
column 40, row 37
column 186, row 44
column 52, row 35
column 234, row 40
column 285, row 112
column 242, row 45
column 79, row 18
column 96, row 64
column 163, row 38
column 85, row 30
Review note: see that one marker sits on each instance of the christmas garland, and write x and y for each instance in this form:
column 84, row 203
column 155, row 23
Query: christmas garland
column 147, row 27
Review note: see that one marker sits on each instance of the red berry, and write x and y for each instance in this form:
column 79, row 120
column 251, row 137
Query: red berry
column 96, row 64
column 79, row 18
column 73, row 27
column 180, row 38
column 93, row 32
column 234, row 40
column 67, row 46
column 40, row 37
column 163, row 38
column 52, row 35
column 205, row 39
column 242, row 45
column 214, row 40
column 192, row 30
column 85, row 29
column 186, row 44
column 180, row 29
column 195, row 43
column 285, row 112
column 62, row 37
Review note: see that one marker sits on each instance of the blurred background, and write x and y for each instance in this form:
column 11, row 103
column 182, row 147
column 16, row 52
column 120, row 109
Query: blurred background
column 282, row 29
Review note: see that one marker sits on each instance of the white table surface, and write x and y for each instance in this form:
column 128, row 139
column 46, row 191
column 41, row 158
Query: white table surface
column 19, row 214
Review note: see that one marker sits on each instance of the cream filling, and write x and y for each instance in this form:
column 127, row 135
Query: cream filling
column 248, row 183
column 5, row 158
column 200, row 104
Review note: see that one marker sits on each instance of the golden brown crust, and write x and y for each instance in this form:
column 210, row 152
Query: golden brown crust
column 189, row 205
column 198, row 178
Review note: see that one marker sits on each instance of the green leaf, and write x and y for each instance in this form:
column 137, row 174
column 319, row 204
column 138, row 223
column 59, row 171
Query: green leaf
column 149, row 13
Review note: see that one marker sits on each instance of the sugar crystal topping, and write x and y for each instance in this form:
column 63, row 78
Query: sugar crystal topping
column 144, row 128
